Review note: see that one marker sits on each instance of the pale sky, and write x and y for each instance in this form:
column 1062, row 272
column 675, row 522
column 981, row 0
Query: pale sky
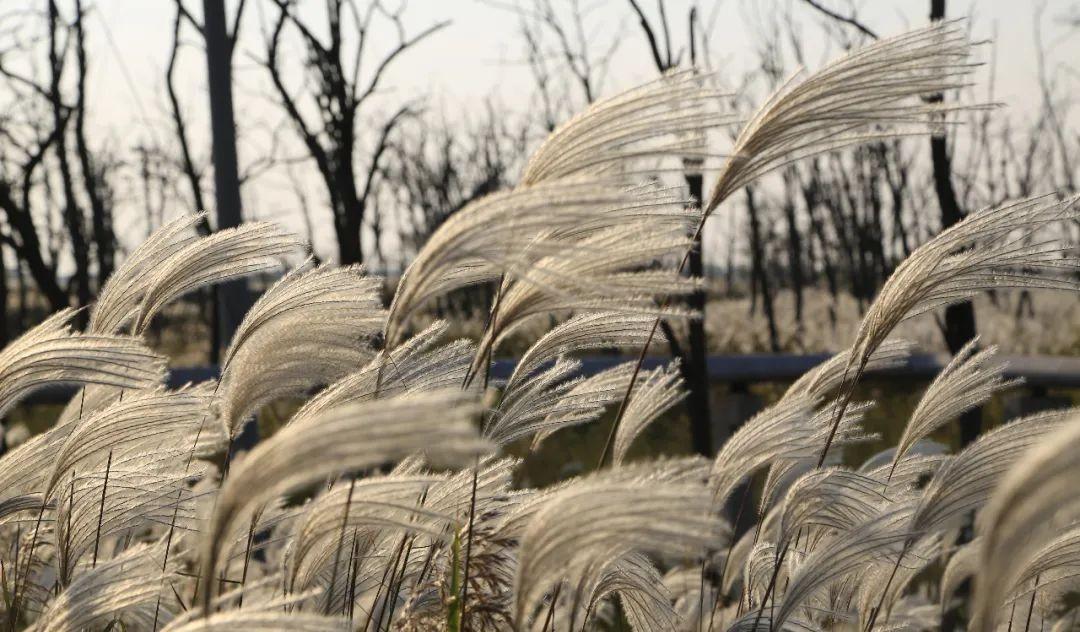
column 479, row 56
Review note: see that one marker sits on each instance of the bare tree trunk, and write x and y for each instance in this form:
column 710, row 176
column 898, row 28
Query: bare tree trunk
column 350, row 215
column 960, row 318
column 695, row 366
column 72, row 214
column 101, row 222
column 180, row 126
column 693, row 361
column 233, row 297
column 23, row 301
column 27, row 246
column 795, row 246
column 757, row 260
column 4, row 331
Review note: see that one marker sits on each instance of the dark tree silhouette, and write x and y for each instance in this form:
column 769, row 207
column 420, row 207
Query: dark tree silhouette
column 46, row 148
column 338, row 94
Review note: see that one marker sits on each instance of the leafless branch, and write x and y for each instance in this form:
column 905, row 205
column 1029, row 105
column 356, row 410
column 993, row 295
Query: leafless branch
column 849, row 20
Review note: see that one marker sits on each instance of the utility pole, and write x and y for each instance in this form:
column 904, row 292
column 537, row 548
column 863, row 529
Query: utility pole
column 233, row 298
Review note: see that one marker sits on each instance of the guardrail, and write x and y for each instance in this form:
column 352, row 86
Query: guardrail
column 1036, row 371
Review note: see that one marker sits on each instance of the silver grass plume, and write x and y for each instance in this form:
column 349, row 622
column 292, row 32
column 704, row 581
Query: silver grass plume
column 126, row 494
column 585, row 400
column 1050, row 576
column 815, row 386
column 584, row 332
column 879, row 537
column 141, row 423
column 914, row 612
column 871, row 93
column 970, row 379
column 505, row 233
column 419, row 364
column 760, row 562
column 524, row 410
column 821, row 381
column 787, row 431
column 783, row 473
column 28, row 467
column 991, row 249
column 385, row 504
column 883, row 585
column 684, row 585
column 1037, row 494
column 665, row 471
column 642, row 594
column 553, row 399
column 223, row 256
column 633, row 577
column 963, row 563
column 662, row 118
column 52, row 353
column 18, row 504
column 589, row 520
column 921, row 448
column 910, row 471
column 658, row 392
column 95, row 397
column 781, row 430
column 452, row 496
column 242, row 549
column 124, row 588
column 120, row 296
column 349, row 437
column 832, row 500
column 309, row 329
column 625, row 268
column 966, row 482
column 25, row 467
column 879, row 85
column 739, row 554
column 750, row 623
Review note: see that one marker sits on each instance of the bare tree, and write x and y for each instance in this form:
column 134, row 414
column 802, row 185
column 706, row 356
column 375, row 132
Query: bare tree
column 191, row 172
column 46, row 127
column 438, row 167
column 568, row 61
column 329, row 130
column 4, row 326
column 93, row 175
column 72, row 212
column 693, row 363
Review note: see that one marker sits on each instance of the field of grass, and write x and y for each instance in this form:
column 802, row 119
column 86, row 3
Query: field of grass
column 398, row 487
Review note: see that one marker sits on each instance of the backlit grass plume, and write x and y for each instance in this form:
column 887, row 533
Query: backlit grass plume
column 309, row 329
column 52, row 354
column 871, row 93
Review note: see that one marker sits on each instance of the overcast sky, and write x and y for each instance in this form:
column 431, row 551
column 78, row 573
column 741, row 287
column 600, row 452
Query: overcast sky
column 478, row 56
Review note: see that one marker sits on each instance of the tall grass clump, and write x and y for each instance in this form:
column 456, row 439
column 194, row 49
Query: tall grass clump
column 388, row 502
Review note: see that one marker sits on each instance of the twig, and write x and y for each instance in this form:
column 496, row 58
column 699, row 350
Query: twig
column 101, row 512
